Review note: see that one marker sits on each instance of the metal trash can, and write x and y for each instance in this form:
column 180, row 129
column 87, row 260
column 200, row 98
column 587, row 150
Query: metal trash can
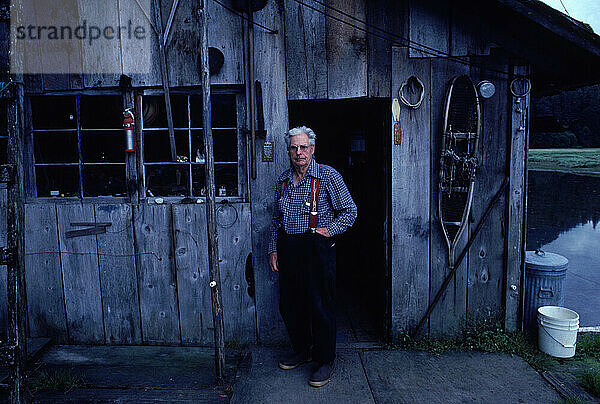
column 545, row 274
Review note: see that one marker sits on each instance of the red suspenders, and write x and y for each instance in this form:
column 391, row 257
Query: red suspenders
column 313, row 220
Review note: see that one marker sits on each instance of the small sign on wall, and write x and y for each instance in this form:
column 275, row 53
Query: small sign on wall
column 268, row 152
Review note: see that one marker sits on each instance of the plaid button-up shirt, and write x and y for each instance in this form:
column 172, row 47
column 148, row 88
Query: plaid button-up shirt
column 337, row 210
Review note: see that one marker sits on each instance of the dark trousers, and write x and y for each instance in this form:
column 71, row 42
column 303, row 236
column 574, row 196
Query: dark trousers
column 307, row 292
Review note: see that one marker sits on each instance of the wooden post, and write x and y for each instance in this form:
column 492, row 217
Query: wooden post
column 130, row 157
column 211, row 217
column 252, row 91
column 164, row 73
column 518, row 127
column 16, row 218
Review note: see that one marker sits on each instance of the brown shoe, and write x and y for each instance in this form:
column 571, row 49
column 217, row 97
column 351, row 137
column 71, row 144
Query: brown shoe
column 322, row 375
column 294, row 361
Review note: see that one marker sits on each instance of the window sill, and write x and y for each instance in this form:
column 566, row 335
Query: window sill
column 167, row 200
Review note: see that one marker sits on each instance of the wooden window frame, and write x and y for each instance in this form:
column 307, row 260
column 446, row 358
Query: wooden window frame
column 242, row 148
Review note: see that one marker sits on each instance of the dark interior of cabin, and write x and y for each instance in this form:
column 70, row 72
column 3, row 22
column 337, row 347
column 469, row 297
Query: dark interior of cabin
column 350, row 138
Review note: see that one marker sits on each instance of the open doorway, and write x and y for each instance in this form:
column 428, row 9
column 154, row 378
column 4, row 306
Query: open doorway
column 351, row 138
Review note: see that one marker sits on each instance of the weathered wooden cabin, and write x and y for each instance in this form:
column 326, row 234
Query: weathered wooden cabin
column 116, row 243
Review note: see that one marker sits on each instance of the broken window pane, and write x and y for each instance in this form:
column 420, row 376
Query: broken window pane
column 101, row 111
column 104, row 180
column 55, row 147
column 167, row 180
column 157, row 146
column 54, row 112
column 102, row 146
column 155, row 115
column 57, row 180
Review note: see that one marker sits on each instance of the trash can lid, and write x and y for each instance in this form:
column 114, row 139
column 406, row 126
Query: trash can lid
column 545, row 261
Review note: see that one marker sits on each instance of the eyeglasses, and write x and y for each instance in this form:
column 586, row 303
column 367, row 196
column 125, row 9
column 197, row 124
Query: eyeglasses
column 295, row 148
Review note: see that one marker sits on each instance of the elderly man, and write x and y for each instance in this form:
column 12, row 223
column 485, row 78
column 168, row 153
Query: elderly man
column 312, row 205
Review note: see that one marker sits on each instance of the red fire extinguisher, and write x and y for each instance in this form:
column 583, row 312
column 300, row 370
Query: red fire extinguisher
column 128, row 126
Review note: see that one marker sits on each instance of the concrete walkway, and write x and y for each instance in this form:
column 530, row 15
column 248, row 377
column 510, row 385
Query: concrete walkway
column 386, row 376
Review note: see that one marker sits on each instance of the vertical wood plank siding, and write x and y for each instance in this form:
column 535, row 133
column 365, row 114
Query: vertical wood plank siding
column 295, row 44
column 191, row 261
column 233, row 221
column 305, row 47
column 101, row 58
column 135, row 52
column 429, row 25
column 487, row 253
column 33, row 82
column 410, row 193
column 118, row 280
column 235, row 244
column 390, row 16
column 467, row 33
column 156, row 277
column 147, row 283
column 43, row 274
column 101, row 276
column 100, row 64
column 52, row 54
column 346, row 51
column 270, row 71
column 183, row 44
column 449, row 313
column 81, row 277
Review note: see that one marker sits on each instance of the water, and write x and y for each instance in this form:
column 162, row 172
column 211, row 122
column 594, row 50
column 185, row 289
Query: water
column 563, row 217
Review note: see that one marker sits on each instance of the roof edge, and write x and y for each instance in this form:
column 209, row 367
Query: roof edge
column 557, row 22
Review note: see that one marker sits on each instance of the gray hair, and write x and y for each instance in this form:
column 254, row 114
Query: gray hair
column 299, row 130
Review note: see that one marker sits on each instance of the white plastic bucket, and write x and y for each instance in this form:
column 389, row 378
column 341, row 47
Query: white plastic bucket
column 557, row 331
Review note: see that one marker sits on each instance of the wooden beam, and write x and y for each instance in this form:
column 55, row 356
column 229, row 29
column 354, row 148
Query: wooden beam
column 211, row 216
column 15, row 241
column 165, row 79
column 518, row 133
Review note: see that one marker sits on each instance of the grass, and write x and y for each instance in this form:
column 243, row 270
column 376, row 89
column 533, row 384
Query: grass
column 577, row 161
column 485, row 336
column 63, row 380
column 588, row 346
column 590, row 380
column 490, row 336
column 573, row 400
